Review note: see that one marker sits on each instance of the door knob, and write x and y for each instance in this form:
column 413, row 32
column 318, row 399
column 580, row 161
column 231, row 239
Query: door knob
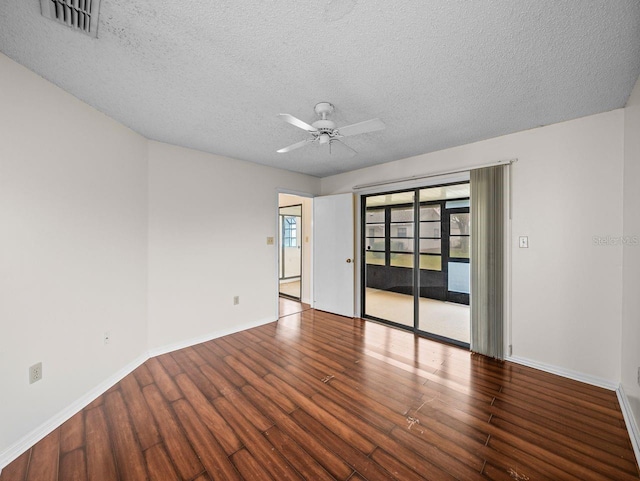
column 348, row 261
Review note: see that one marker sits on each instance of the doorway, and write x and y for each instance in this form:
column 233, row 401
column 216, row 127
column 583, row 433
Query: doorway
column 416, row 253
column 294, row 246
column 290, row 265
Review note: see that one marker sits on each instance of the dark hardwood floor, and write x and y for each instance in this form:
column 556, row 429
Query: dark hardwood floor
column 319, row 397
column 290, row 306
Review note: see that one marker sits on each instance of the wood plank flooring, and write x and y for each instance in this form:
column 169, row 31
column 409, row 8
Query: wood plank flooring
column 320, row 397
column 289, row 306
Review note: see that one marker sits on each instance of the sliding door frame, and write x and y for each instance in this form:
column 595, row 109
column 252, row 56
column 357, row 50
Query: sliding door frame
column 444, row 256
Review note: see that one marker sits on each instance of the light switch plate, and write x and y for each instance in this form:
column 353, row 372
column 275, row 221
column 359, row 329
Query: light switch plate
column 524, row 242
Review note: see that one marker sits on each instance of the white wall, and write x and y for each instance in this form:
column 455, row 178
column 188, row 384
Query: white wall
column 567, row 188
column 307, row 239
column 209, row 218
column 631, row 255
column 73, row 247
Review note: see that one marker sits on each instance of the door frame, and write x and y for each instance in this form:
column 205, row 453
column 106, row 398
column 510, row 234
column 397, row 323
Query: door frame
column 276, row 260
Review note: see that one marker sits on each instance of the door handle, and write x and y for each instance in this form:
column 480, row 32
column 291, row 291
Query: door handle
column 349, row 261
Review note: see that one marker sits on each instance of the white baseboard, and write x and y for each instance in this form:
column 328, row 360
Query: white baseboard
column 157, row 351
column 568, row 373
column 27, row 441
column 630, row 421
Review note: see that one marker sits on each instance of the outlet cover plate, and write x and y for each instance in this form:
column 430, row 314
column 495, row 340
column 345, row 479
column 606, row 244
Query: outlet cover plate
column 35, row 373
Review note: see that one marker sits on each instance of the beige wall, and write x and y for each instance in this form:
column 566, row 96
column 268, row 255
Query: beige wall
column 73, row 252
column 631, row 257
column 566, row 188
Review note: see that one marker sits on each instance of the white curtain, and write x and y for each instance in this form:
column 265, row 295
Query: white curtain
column 487, row 261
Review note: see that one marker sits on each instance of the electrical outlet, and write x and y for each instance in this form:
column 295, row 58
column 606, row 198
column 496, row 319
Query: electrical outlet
column 270, row 241
column 35, row 373
column 236, row 300
column 107, row 337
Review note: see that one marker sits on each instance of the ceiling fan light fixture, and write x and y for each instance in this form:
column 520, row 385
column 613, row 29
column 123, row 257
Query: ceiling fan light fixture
column 324, row 139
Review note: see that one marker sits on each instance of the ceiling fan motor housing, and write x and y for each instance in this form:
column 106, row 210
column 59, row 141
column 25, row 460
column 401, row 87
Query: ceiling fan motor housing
column 323, row 125
column 326, row 128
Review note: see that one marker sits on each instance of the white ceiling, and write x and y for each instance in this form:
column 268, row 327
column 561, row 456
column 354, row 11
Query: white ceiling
column 213, row 75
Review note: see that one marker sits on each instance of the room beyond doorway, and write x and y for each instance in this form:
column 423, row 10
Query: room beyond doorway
column 290, row 248
column 294, row 247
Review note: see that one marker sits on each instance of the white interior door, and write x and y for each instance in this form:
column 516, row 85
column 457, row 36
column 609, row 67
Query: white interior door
column 333, row 254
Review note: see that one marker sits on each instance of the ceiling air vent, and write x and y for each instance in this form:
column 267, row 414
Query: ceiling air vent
column 78, row 14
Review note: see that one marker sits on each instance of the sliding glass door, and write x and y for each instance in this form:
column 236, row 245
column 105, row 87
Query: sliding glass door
column 389, row 256
column 416, row 257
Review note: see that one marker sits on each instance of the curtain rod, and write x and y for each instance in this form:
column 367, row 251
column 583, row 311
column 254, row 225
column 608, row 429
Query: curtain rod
column 436, row 174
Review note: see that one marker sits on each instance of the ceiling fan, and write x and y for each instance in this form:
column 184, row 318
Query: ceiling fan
column 324, row 131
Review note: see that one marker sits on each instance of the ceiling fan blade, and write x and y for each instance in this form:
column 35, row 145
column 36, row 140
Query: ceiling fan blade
column 295, row 146
column 297, row 122
column 342, row 146
column 362, row 127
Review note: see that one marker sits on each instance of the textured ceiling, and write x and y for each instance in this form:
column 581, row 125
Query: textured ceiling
column 213, row 75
